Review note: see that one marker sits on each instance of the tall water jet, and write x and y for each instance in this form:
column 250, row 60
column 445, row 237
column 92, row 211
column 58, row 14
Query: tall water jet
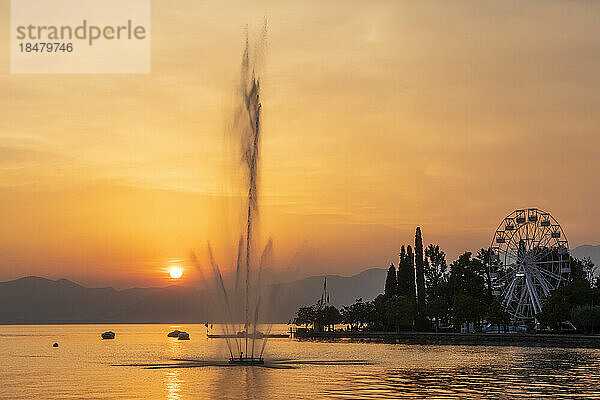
column 250, row 142
column 246, row 132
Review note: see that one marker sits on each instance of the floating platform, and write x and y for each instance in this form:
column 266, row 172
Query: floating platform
column 257, row 336
column 246, row 361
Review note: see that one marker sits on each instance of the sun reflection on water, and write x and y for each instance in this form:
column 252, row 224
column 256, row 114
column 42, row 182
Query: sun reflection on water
column 173, row 383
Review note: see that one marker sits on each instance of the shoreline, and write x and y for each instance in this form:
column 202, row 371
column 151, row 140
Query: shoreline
column 66, row 323
column 471, row 339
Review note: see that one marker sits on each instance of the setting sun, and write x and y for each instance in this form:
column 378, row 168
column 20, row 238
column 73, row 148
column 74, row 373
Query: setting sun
column 175, row 272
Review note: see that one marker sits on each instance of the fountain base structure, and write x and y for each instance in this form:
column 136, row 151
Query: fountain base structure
column 246, row 360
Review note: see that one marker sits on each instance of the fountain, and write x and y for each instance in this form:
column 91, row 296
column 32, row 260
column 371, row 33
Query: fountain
column 243, row 303
column 243, row 300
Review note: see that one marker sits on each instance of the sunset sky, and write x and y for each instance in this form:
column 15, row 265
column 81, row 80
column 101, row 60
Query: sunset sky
column 378, row 117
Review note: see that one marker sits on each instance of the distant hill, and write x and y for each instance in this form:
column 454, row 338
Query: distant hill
column 593, row 252
column 40, row 300
column 286, row 298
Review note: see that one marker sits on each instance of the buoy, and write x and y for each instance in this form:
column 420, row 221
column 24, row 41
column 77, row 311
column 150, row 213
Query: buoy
column 55, row 344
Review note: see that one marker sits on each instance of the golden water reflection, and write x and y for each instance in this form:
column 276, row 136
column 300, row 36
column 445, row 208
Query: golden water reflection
column 173, row 385
column 143, row 363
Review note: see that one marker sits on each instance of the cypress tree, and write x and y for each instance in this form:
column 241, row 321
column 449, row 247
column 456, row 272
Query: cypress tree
column 420, row 273
column 403, row 274
column 391, row 283
column 410, row 263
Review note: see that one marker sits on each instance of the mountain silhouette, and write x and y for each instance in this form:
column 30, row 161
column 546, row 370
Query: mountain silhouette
column 39, row 300
column 587, row 250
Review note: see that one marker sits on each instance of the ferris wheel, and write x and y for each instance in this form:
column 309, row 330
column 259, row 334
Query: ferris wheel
column 529, row 257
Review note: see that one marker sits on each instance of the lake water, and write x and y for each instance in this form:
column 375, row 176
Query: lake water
column 83, row 367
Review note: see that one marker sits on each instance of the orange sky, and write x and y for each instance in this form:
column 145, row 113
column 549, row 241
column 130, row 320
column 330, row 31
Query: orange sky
column 378, row 116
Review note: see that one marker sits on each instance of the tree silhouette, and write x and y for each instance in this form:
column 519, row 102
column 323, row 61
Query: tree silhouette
column 437, row 289
column 484, row 257
column 391, row 283
column 420, row 275
column 305, row 316
column 467, row 278
column 410, row 261
column 436, row 273
column 403, row 274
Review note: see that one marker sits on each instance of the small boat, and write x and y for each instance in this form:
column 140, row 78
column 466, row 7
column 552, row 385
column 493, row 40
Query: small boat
column 108, row 335
column 183, row 336
column 174, row 333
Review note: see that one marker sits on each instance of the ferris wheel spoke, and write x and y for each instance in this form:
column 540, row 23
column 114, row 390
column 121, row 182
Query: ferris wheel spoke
column 551, row 274
column 540, row 253
column 512, row 248
column 535, row 230
column 506, row 276
column 520, row 237
column 508, row 269
column 520, row 304
column 501, row 282
column 512, row 257
column 544, row 232
column 546, row 241
column 510, row 292
column 548, row 251
column 533, row 295
column 551, row 241
column 543, row 250
column 511, row 239
column 530, row 238
column 545, row 285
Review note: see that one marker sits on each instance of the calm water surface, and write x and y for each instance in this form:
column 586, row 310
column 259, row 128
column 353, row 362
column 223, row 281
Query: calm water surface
column 82, row 367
